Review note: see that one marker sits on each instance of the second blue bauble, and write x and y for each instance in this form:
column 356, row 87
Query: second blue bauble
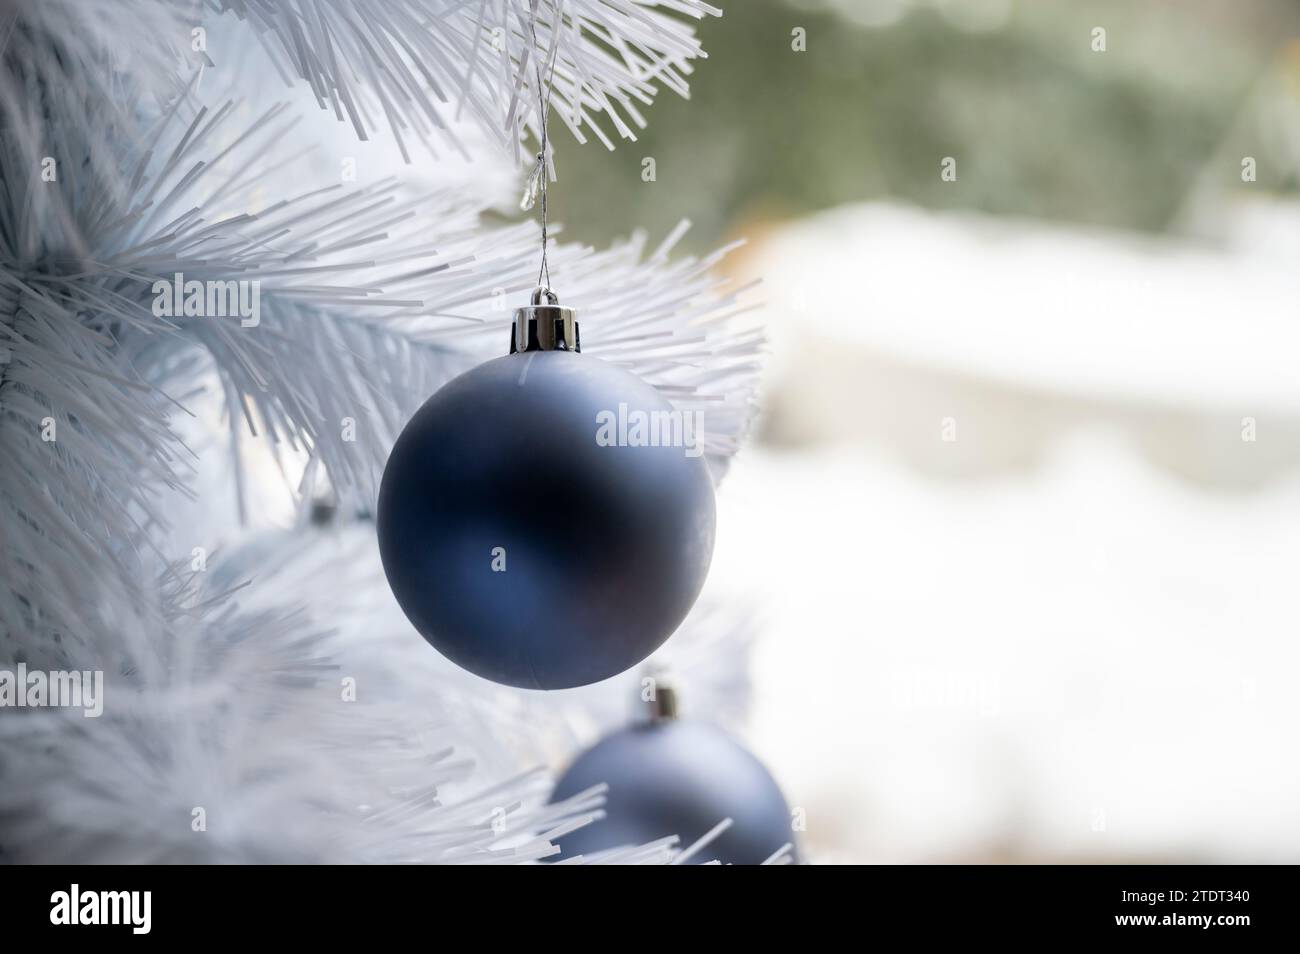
column 678, row 777
column 526, row 550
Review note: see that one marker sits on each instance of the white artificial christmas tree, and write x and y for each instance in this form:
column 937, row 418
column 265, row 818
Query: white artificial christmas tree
column 264, row 699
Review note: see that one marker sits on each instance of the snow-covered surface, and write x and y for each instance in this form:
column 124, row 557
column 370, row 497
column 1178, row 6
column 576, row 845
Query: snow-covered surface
column 1074, row 312
column 953, row 671
column 1086, row 657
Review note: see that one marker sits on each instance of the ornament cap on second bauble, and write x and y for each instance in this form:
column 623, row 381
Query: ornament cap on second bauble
column 546, row 519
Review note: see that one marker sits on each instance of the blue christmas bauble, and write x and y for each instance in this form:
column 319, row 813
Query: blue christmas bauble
column 546, row 519
column 678, row 777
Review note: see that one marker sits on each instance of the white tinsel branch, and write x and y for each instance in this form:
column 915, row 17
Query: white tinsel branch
column 286, row 712
column 367, row 295
column 372, row 296
column 418, row 66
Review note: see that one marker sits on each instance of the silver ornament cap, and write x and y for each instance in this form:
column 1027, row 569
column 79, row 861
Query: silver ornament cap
column 545, row 325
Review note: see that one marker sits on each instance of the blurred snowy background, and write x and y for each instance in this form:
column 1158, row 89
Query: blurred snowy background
column 1024, row 512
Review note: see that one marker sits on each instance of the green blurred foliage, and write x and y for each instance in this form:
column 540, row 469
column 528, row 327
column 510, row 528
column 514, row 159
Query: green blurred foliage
column 1040, row 124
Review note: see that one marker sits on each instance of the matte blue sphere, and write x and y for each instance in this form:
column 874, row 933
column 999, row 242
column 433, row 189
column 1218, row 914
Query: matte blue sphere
column 678, row 777
column 524, row 541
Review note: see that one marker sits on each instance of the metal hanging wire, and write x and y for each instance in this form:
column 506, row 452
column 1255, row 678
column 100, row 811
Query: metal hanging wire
column 537, row 180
